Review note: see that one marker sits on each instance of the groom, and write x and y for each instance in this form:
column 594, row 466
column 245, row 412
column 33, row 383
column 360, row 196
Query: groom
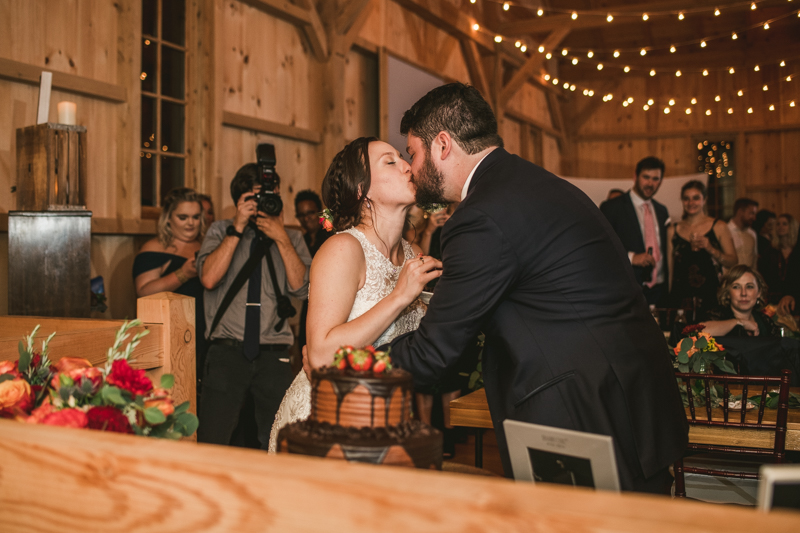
column 531, row 262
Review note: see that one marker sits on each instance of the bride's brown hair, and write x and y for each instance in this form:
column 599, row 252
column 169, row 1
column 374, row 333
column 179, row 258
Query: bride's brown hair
column 346, row 183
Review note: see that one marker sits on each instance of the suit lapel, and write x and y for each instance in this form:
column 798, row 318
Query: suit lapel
column 631, row 215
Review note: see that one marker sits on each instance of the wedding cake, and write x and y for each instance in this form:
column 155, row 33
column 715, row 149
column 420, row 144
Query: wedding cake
column 361, row 411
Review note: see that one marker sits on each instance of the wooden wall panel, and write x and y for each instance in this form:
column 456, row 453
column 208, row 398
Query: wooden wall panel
column 551, row 154
column 531, row 101
column 361, row 95
column 511, row 133
column 112, row 258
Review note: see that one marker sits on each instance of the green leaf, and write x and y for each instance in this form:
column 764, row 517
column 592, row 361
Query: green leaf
column 113, row 395
column 154, row 416
column 725, row 366
column 686, row 344
column 683, row 357
column 167, row 381
column 773, row 401
column 701, row 343
column 139, row 401
column 684, row 368
column 24, row 359
column 6, row 377
column 182, row 408
column 189, row 421
column 697, row 365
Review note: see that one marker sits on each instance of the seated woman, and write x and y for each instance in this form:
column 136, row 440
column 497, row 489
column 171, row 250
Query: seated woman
column 166, row 262
column 739, row 314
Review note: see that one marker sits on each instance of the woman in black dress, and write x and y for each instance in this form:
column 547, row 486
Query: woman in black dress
column 166, row 263
column 740, row 306
column 698, row 247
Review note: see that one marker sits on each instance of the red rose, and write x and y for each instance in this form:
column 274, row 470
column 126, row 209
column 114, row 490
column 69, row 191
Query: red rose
column 68, row 418
column 125, row 377
column 108, row 418
column 38, row 414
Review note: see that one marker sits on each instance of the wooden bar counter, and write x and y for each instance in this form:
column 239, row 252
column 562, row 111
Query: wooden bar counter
column 60, row 479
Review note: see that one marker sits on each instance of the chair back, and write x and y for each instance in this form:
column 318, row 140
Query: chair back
column 731, row 415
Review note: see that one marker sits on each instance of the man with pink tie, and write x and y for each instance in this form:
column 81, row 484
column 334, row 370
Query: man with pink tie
column 641, row 224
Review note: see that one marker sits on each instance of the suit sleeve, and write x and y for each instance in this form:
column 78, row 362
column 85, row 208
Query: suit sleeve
column 479, row 267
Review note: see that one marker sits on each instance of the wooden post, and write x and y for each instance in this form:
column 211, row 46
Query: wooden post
column 176, row 313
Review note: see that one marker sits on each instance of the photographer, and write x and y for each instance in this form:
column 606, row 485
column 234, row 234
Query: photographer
column 248, row 332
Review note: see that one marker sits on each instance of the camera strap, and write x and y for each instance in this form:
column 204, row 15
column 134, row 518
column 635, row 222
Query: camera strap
column 285, row 308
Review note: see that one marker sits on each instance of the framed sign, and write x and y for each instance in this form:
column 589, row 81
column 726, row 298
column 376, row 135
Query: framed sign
column 779, row 487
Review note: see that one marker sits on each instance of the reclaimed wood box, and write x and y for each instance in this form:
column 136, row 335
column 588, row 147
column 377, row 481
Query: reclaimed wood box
column 51, row 166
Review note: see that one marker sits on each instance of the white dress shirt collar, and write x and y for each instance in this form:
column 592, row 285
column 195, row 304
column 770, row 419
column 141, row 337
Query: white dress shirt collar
column 465, row 189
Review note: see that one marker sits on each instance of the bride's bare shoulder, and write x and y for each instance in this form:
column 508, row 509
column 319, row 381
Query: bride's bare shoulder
column 340, row 247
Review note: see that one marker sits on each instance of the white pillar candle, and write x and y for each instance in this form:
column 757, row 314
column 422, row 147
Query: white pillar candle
column 67, row 112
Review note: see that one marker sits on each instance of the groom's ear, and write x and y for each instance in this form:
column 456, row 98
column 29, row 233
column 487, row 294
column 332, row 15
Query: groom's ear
column 442, row 145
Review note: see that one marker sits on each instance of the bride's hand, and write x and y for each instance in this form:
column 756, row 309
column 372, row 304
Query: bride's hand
column 416, row 273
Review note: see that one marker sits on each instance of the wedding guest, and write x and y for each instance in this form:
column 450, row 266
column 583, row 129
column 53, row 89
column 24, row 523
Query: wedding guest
column 414, row 225
column 789, row 262
column 741, row 303
column 698, row 247
column 613, row 193
column 764, row 226
column 744, row 238
column 208, row 209
column 167, row 262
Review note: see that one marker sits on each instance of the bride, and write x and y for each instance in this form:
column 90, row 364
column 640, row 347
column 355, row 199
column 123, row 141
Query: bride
column 365, row 280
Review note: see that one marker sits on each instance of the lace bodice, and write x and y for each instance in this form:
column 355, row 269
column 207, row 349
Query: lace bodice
column 381, row 278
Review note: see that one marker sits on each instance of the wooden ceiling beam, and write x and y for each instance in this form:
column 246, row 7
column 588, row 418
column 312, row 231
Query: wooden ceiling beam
column 348, row 14
column 472, row 58
column 532, row 65
column 448, row 18
column 552, row 22
column 304, row 16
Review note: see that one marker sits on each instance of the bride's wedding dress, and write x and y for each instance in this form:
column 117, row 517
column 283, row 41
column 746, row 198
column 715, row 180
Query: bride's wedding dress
column 380, row 281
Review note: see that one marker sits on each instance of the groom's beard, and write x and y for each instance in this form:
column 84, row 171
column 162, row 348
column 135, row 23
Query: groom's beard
column 430, row 184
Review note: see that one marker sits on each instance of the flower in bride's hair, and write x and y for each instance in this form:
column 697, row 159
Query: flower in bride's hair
column 326, row 219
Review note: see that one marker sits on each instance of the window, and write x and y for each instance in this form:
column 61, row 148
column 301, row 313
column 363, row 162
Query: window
column 717, row 160
column 163, row 78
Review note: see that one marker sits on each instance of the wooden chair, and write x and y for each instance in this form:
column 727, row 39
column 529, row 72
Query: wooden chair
column 728, row 417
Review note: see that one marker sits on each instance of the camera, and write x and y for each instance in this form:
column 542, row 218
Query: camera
column 269, row 202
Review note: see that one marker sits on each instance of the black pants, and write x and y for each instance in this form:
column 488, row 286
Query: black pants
column 227, row 379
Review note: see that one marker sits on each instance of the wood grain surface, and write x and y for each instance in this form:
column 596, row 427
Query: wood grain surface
column 82, row 480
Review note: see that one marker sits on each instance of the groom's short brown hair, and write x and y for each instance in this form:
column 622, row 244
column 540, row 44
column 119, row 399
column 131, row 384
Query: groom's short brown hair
column 458, row 109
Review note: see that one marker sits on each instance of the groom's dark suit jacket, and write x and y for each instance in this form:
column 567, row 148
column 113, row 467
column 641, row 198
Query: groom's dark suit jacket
column 622, row 216
column 570, row 343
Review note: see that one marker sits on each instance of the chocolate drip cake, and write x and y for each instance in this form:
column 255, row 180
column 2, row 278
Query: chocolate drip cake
column 363, row 416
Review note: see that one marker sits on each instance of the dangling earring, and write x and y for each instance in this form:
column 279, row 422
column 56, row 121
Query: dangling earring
column 369, row 204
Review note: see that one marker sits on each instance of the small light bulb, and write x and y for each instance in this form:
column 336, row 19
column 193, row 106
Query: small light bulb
column 731, row 70
column 716, row 12
column 625, row 103
column 586, row 92
column 610, row 96
column 539, row 12
column 783, row 63
column 671, row 101
column 630, row 99
column 678, row 73
column 548, row 55
column 740, row 93
column 518, row 44
column 627, row 68
column 688, row 111
column 616, row 53
column 694, row 101
column 666, row 111
column 574, row 60
column 652, row 72
column 541, row 49
column 599, row 66
column 734, row 36
column 680, row 16
column 643, row 52
column 765, row 88
column 788, row 78
column 717, row 98
column 791, row 104
column 705, row 72
column 610, row 17
column 505, row 6
column 766, row 25
column 708, row 112
column 645, row 107
column 472, row 1
column 772, row 107
column 645, row 16
column 574, row 15
column 498, row 39
column 650, row 102
column 703, row 44
column 564, row 52
column 672, row 49
column 555, row 81
column 523, row 48
column 572, row 87
column 756, row 68
column 753, row 6
column 750, row 110
column 476, row 27
column 590, row 54
column 547, row 77
column 730, row 111
column 591, row 92
column 566, row 85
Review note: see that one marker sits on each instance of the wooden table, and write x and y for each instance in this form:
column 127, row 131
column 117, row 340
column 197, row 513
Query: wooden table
column 473, row 411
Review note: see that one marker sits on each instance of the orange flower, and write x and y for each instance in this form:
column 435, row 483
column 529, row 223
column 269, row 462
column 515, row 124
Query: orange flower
column 68, row 364
column 38, row 414
column 691, row 351
column 70, row 418
column 163, row 404
column 770, row 310
column 8, row 367
column 15, row 397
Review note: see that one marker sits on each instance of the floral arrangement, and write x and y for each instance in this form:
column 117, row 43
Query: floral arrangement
column 698, row 352
column 362, row 360
column 432, row 207
column 73, row 393
column 784, row 321
column 326, row 219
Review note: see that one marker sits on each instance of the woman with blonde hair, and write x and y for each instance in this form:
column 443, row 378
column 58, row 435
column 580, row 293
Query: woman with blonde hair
column 166, row 263
column 741, row 302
